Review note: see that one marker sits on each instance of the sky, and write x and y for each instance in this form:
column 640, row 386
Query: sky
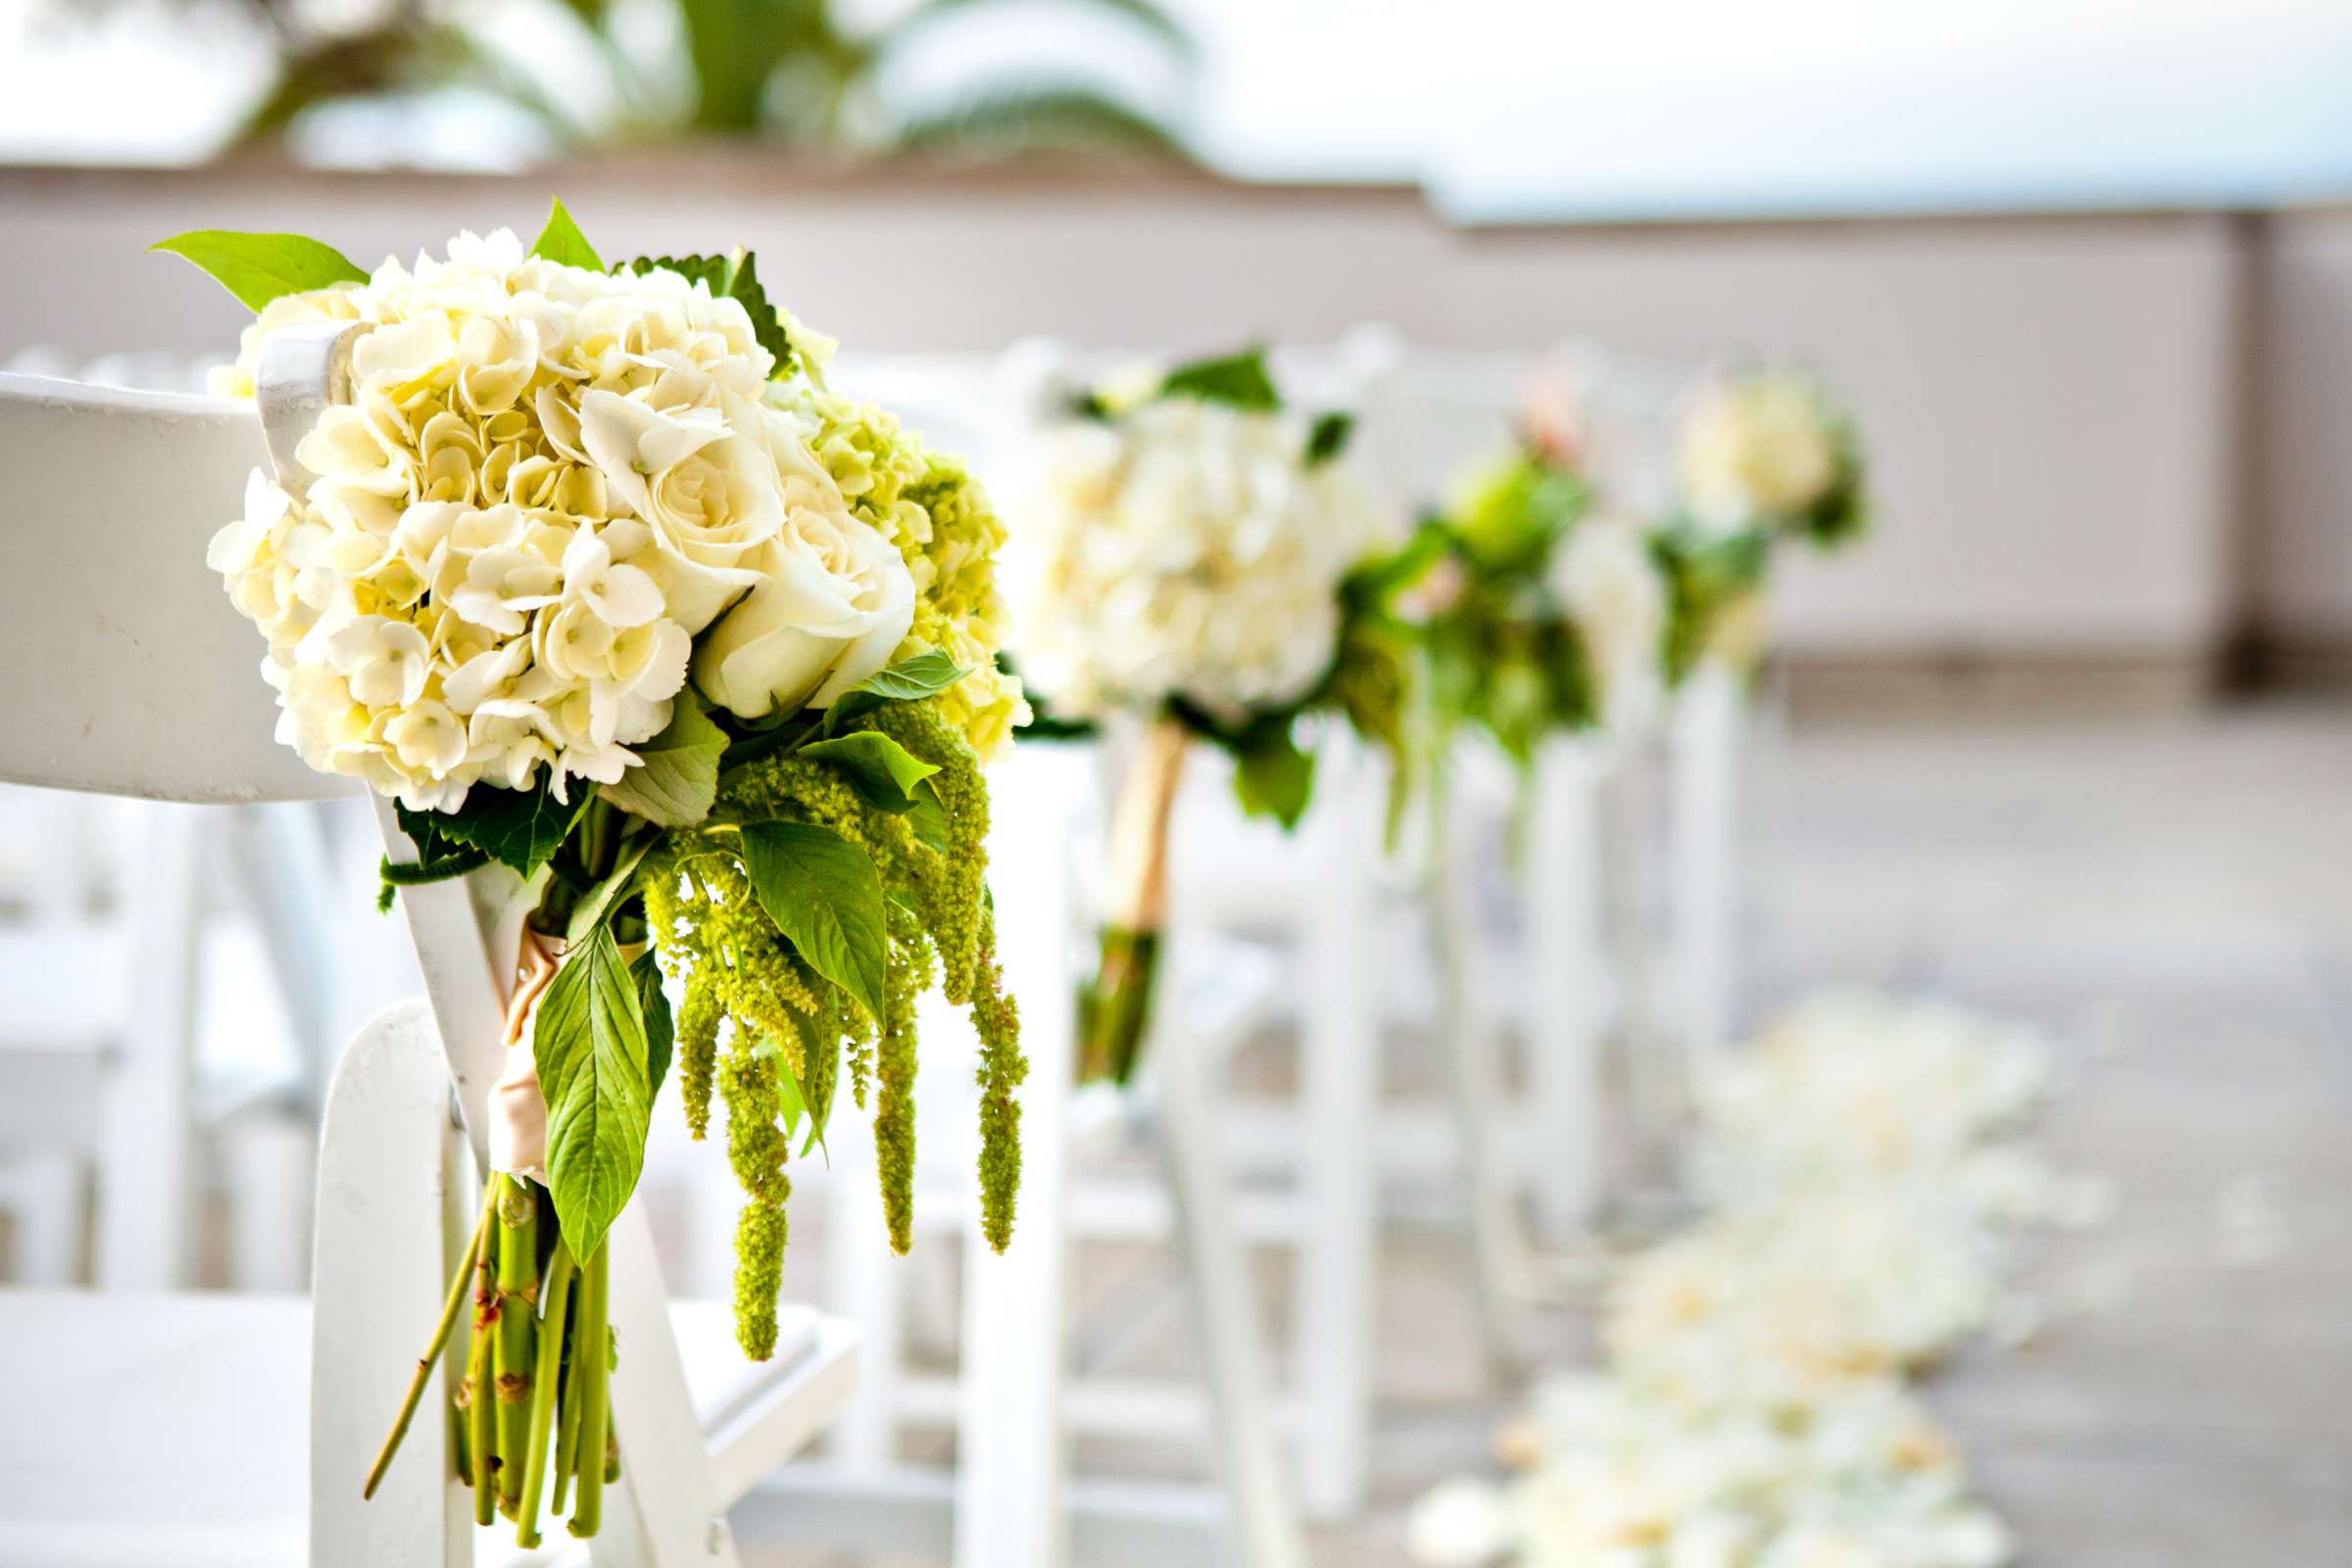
column 1524, row 109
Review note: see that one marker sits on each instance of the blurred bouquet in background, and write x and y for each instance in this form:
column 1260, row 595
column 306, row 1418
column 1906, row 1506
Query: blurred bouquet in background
column 1761, row 457
column 1196, row 550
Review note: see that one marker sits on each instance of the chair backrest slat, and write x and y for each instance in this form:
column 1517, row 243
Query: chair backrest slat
column 129, row 673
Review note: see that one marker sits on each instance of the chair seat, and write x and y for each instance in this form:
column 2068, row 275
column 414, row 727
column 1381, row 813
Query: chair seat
column 172, row 1429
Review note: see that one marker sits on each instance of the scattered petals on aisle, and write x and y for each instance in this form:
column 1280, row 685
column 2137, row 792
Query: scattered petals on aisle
column 1866, row 1188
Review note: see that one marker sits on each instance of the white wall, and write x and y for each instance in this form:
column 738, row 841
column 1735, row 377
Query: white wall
column 2048, row 399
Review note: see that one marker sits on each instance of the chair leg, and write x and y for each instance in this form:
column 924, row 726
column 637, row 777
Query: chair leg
column 1568, row 982
column 277, row 855
column 266, row 1156
column 145, row 1200
column 380, row 1263
column 1249, row 1461
column 1469, row 1040
column 49, row 1212
column 1339, row 1095
column 1704, row 852
column 869, row 1291
column 666, row 1515
column 1012, row 1447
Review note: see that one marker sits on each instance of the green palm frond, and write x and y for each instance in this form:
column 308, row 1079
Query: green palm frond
column 1144, row 14
column 1039, row 118
column 389, row 59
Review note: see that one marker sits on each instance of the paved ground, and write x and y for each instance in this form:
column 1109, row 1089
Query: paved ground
column 2173, row 899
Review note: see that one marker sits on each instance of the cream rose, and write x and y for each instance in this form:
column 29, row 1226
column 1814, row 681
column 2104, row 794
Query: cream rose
column 832, row 603
column 702, row 479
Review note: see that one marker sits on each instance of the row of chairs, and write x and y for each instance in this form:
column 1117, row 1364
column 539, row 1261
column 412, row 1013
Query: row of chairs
column 1266, row 936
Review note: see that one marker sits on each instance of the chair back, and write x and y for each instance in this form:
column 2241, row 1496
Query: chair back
column 130, row 673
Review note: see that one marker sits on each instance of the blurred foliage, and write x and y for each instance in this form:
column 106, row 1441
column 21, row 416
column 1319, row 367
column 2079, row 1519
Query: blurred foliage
column 798, row 73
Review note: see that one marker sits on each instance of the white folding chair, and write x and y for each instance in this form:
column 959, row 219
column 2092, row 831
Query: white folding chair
column 1012, row 1402
column 148, row 690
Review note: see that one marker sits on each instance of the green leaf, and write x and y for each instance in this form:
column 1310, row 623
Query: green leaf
column 609, row 892
column 660, row 1030
column 825, row 896
column 795, row 1101
column 929, row 820
column 260, row 267
column 1329, row 438
column 907, row 681
column 675, row 780
column 1238, row 380
column 517, row 828
column 589, row 1042
column 563, row 243
column 732, row 277
column 883, row 773
column 1274, row 778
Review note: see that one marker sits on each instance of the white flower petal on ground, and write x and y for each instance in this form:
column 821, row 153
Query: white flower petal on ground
column 1861, row 1158
column 1457, row 1524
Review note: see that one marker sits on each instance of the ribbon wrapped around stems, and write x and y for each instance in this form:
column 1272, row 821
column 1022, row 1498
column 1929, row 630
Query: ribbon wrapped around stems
column 1115, row 1006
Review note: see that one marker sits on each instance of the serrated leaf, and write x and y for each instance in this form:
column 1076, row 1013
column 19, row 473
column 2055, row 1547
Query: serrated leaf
column 675, row 781
column 883, row 773
column 260, row 267
column 1237, row 380
column 563, row 243
column 589, row 1043
column 661, row 1029
column 825, row 896
column 519, row 828
column 1329, row 438
column 734, row 275
column 907, row 681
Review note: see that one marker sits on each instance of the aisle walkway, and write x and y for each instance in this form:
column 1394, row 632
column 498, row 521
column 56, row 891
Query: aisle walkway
column 2176, row 902
column 2172, row 901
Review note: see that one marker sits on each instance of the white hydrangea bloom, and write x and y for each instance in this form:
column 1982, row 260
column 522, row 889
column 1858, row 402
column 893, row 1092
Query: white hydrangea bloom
column 546, row 483
column 1184, row 549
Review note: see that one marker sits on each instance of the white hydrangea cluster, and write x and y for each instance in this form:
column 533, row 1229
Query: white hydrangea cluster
column 1184, row 549
column 1757, row 449
column 1752, row 1412
column 552, row 493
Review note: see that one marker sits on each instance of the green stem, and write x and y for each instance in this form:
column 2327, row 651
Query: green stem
column 432, row 1351
column 567, row 1424
column 478, row 1399
column 590, row 1343
column 543, row 1393
column 1114, row 1010
column 518, row 1289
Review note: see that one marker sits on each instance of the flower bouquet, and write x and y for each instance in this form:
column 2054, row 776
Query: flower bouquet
column 584, row 567
column 1762, row 457
column 1538, row 610
column 1194, row 545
